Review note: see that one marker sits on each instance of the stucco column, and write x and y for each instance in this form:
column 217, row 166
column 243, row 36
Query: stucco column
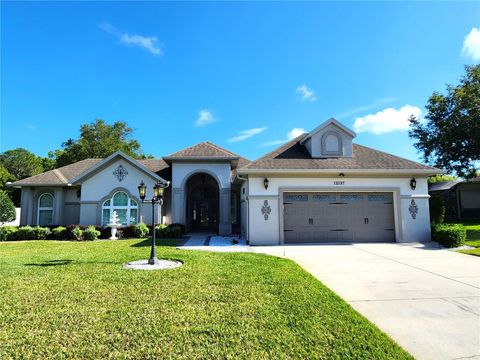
column 225, row 226
column 178, row 205
column 58, row 206
column 26, row 204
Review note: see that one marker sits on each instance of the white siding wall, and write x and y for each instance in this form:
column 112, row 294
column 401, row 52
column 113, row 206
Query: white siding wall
column 269, row 232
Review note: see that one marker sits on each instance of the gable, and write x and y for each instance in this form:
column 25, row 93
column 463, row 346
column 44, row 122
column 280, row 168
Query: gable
column 330, row 139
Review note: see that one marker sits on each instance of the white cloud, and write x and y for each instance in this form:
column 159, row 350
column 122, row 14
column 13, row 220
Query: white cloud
column 292, row 134
column 31, row 127
column 471, row 44
column 245, row 134
column 149, row 43
column 205, row 117
column 387, row 120
column 306, row 93
column 363, row 108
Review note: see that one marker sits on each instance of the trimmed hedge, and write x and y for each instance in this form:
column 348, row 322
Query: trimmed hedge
column 79, row 232
column 449, row 235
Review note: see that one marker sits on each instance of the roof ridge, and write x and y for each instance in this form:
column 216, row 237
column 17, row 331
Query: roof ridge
column 60, row 176
column 222, row 149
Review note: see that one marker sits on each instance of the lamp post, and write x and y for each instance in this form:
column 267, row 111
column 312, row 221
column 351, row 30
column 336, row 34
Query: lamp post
column 158, row 191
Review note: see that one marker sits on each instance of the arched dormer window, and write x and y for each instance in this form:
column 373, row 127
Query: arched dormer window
column 45, row 210
column 332, row 144
column 126, row 208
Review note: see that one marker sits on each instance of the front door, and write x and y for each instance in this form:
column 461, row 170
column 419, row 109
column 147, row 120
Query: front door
column 204, row 210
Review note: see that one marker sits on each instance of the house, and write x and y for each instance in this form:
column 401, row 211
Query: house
column 317, row 187
column 461, row 198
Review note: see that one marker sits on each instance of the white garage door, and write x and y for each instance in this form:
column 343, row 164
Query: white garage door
column 350, row 217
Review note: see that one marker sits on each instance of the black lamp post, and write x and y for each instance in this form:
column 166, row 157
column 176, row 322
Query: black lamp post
column 158, row 191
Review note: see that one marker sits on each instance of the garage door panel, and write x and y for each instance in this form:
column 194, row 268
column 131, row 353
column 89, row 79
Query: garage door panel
column 349, row 217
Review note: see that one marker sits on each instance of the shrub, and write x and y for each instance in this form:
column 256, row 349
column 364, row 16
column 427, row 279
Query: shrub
column 8, row 233
column 91, row 233
column 128, row 231
column 437, row 210
column 141, row 230
column 32, row 233
column 60, row 233
column 77, row 233
column 7, row 209
column 40, row 233
column 449, row 235
column 169, row 231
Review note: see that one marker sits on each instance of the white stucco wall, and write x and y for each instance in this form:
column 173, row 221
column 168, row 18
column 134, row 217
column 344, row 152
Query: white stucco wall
column 270, row 232
column 103, row 183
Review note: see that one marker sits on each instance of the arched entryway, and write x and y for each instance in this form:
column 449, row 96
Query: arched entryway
column 202, row 203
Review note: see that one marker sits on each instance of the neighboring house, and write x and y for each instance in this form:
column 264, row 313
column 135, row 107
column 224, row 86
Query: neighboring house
column 317, row 187
column 461, row 198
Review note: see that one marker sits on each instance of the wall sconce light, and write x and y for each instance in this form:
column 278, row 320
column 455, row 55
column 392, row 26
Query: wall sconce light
column 265, row 183
column 79, row 193
column 341, row 175
column 413, row 183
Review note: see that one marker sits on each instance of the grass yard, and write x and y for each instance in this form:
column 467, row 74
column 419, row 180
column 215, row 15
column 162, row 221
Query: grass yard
column 74, row 300
column 473, row 238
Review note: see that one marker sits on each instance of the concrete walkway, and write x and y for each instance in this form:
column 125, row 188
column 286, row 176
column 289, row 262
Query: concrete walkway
column 211, row 242
column 426, row 299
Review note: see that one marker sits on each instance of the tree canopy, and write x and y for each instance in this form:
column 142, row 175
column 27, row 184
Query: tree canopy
column 98, row 140
column 449, row 138
column 441, row 178
column 21, row 163
column 7, row 209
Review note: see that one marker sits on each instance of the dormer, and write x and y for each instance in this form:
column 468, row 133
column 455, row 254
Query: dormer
column 329, row 140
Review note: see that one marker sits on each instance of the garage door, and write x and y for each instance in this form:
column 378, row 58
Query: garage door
column 350, row 217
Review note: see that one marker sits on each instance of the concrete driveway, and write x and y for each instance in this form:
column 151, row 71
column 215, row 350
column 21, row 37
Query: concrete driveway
column 426, row 299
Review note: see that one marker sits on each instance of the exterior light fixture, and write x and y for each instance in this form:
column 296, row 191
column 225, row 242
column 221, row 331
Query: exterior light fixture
column 265, row 183
column 341, row 175
column 158, row 191
column 79, row 193
column 413, row 184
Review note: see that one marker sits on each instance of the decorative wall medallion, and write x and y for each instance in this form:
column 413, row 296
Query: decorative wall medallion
column 266, row 210
column 413, row 209
column 120, row 172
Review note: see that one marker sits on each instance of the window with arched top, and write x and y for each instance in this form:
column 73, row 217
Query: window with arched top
column 332, row 144
column 45, row 209
column 126, row 208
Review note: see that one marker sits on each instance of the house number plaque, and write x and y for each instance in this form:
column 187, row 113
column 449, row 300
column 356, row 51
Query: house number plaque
column 339, row 183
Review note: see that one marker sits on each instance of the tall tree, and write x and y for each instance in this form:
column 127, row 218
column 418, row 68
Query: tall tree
column 21, row 163
column 99, row 140
column 450, row 136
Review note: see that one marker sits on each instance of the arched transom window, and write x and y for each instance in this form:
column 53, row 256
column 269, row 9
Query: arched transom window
column 331, row 144
column 45, row 209
column 126, row 208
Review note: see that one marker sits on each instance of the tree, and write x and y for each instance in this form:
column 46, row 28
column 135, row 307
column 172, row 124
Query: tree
column 21, row 163
column 98, row 140
column 450, row 136
column 441, row 178
column 7, row 209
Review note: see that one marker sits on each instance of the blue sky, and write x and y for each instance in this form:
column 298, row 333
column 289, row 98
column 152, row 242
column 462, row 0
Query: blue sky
column 243, row 75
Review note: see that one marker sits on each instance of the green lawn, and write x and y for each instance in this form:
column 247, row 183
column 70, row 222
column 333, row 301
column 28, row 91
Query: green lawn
column 74, row 300
column 473, row 238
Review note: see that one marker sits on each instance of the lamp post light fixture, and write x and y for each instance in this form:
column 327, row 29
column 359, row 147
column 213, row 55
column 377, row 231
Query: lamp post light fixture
column 158, row 191
column 265, row 183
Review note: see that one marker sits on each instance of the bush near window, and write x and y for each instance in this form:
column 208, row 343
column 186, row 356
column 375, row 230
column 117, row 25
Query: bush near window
column 59, row 233
column 449, row 235
column 141, row 230
column 91, row 233
column 77, row 233
column 437, row 210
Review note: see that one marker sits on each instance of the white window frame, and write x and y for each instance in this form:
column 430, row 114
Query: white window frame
column 45, row 208
column 112, row 208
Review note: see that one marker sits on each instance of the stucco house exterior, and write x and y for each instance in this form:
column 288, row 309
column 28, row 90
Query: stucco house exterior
column 318, row 187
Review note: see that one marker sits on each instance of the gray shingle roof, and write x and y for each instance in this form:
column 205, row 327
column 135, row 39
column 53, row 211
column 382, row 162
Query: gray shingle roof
column 63, row 175
column 294, row 156
column 204, row 149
